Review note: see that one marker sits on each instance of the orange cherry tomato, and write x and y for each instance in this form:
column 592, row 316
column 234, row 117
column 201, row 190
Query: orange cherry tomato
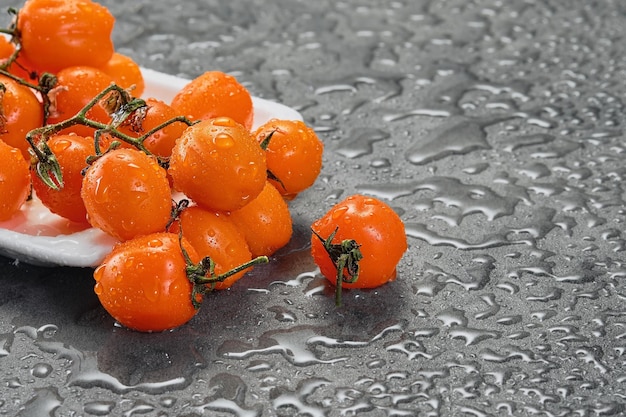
column 76, row 87
column 56, row 34
column 125, row 72
column 265, row 222
column 161, row 142
column 20, row 112
column 214, row 235
column 218, row 164
column 215, row 94
column 293, row 153
column 143, row 283
column 71, row 152
column 14, row 180
column 126, row 194
column 6, row 48
column 374, row 227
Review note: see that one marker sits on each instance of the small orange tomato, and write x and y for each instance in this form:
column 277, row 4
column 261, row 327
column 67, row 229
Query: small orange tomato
column 125, row 72
column 215, row 94
column 162, row 141
column 265, row 222
column 126, row 194
column 143, row 283
column 374, row 227
column 71, row 152
column 14, row 180
column 20, row 112
column 293, row 153
column 214, row 235
column 218, row 164
column 6, row 48
column 76, row 87
column 61, row 33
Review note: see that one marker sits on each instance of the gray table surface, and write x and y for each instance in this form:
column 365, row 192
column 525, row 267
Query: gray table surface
column 494, row 127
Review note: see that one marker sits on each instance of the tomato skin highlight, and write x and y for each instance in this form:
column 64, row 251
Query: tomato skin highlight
column 126, row 194
column 14, row 184
column 375, row 227
column 60, row 33
column 143, row 285
column 218, row 164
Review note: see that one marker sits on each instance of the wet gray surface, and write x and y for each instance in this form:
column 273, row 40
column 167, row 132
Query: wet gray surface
column 495, row 129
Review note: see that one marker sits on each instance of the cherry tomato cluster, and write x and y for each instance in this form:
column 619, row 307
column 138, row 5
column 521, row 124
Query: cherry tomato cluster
column 195, row 197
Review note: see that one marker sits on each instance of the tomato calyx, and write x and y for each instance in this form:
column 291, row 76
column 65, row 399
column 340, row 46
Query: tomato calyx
column 345, row 256
column 264, row 144
column 202, row 275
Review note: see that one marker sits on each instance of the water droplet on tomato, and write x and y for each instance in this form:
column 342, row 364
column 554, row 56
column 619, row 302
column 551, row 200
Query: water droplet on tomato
column 61, row 145
column 224, row 121
column 155, row 243
column 339, row 212
column 97, row 274
column 223, row 141
column 98, row 288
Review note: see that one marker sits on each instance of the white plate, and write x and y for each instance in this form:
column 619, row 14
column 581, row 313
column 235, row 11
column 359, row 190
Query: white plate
column 37, row 236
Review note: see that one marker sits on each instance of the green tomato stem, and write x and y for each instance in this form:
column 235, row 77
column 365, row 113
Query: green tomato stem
column 346, row 257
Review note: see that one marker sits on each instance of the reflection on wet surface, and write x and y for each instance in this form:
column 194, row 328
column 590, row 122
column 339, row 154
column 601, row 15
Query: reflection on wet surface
column 493, row 128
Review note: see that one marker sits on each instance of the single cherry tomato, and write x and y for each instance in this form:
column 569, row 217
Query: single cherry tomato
column 14, row 180
column 214, row 235
column 20, row 112
column 293, row 153
column 218, row 164
column 143, row 283
column 265, row 222
column 365, row 237
column 71, row 152
column 215, row 94
column 125, row 72
column 126, row 194
column 76, row 87
column 162, row 141
column 56, row 34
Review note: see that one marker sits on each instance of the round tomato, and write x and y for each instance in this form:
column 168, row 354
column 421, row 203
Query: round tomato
column 126, row 194
column 14, row 180
column 61, row 33
column 125, row 72
column 293, row 153
column 265, row 222
column 143, row 283
column 20, row 112
column 365, row 237
column 162, row 141
column 218, row 164
column 214, row 235
column 71, row 152
column 215, row 94
column 76, row 87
